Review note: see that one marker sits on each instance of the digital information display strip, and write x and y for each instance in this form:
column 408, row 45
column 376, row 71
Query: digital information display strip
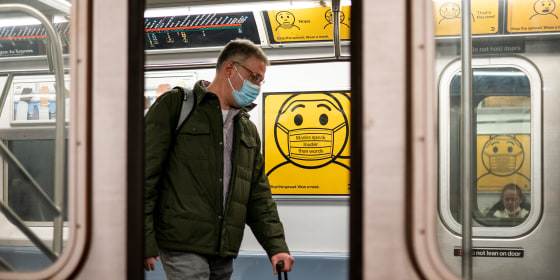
column 194, row 31
column 29, row 40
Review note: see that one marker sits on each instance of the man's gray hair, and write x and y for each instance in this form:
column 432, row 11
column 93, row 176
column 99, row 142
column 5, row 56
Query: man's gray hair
column 240, row 50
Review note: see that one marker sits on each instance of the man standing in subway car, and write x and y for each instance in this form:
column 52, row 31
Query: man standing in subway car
column 205, row 178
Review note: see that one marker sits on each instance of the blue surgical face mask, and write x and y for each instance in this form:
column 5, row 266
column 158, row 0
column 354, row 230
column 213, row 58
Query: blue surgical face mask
column 246, row 94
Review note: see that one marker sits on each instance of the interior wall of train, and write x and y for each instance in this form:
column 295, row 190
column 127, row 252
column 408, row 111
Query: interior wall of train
column 408, row 169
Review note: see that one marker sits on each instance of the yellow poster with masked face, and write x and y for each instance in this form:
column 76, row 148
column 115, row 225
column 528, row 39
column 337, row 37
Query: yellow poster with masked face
column 502, row 160
column 311, row 24
column 307, row 142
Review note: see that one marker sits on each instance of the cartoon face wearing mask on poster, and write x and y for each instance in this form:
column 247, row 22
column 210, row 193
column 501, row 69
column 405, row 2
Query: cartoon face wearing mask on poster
column 502, row 158
column 503, row 155
column 311, row 133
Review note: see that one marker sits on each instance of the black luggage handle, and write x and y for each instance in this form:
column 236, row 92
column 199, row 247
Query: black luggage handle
column 279, row 267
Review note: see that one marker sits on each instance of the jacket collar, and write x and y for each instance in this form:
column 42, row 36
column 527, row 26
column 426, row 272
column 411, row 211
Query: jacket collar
column 200, row 91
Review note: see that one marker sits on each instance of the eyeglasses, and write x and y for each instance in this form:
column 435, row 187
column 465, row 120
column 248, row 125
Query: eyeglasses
column 255, row 78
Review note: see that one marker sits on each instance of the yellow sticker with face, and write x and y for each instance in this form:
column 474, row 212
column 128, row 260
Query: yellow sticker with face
column 307, row 142
column 483, row 16
column 533, row 16
column 311, row 24
column 502, row 160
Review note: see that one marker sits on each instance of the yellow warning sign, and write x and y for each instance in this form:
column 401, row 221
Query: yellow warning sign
column 484, row 17
column 502, row 160
column 307, row 142
column 311, row 24
column 533, row 16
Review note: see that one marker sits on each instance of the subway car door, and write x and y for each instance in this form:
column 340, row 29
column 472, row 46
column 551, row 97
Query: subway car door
column 501, row 133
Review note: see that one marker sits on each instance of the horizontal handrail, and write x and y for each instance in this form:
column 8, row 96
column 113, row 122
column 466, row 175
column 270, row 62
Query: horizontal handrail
column 186, row 66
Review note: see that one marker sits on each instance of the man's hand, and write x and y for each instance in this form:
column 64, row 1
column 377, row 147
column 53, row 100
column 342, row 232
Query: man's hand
column 149, row 263
column 286, row 258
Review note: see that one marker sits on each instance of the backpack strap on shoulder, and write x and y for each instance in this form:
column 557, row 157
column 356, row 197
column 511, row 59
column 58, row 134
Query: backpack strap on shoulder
column 186, row 106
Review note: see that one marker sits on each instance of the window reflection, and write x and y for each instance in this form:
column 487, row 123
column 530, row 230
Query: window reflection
column 501, row 97
column 503, row 159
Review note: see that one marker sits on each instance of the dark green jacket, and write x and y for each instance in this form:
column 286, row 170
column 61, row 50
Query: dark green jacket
column 184, row 194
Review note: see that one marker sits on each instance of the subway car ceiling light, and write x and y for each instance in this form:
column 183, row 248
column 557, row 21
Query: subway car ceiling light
column 25, row 20
column 61, row 5
column 239, row 7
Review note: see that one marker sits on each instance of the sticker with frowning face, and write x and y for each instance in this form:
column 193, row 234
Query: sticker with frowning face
column 286, row 20
column 449, row 11
column 329, row 18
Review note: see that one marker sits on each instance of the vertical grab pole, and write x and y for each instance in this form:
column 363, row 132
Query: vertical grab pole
column 60, row 142
column 466, row 136
column 336, row 27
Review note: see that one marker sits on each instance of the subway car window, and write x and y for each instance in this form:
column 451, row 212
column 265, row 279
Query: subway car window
column 502, row 123
column 34, row 121
column 302, row 114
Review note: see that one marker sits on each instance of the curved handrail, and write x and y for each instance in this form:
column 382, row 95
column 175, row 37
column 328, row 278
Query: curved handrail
column 4, row 95
column 55, row 55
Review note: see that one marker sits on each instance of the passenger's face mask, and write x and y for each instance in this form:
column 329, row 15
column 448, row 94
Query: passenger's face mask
column 247, row 93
